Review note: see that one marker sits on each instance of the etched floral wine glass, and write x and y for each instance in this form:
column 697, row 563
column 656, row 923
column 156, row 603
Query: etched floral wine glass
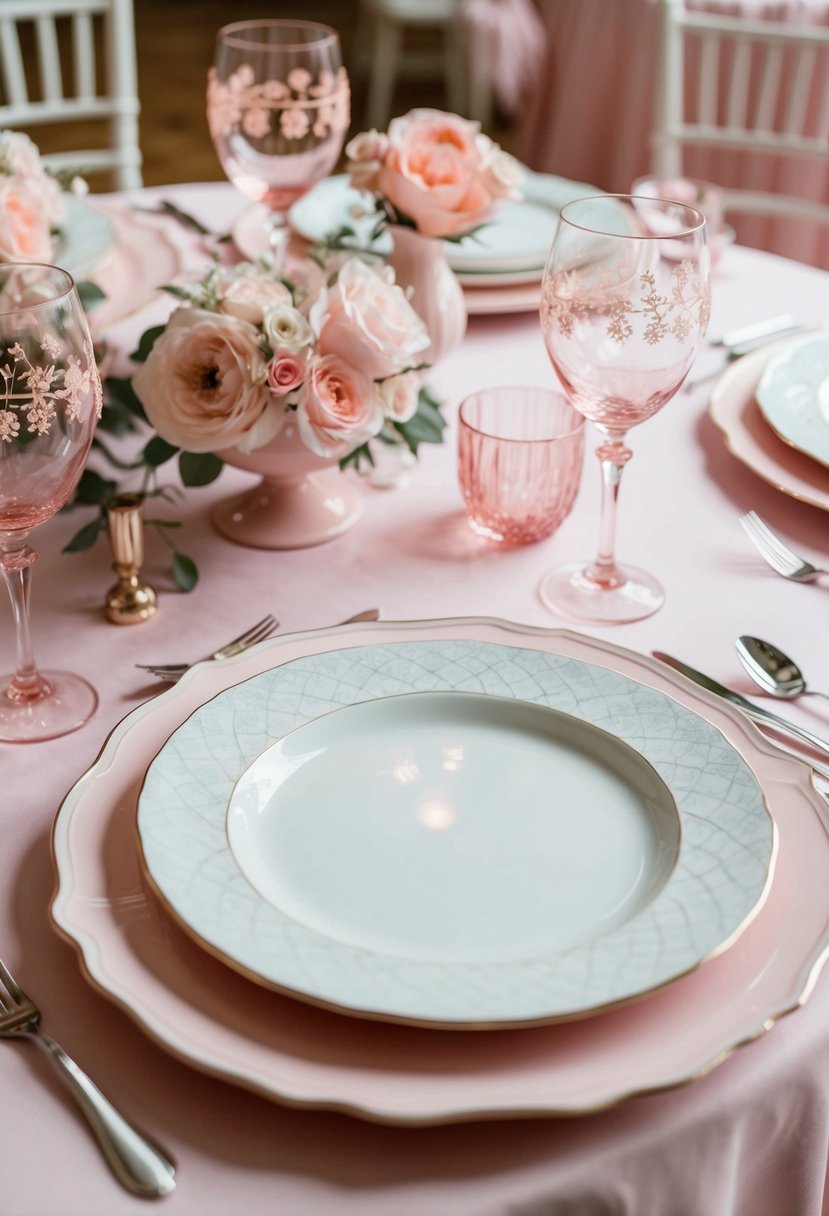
column 278, row 107
column 50, row 398
column 624, row 306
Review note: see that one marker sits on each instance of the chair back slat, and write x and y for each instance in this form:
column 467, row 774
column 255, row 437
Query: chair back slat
column 737, row 101
column 769, row 90
column 51, row 75
column 83, row 54
column 708, row 82
column 11, row 58
column 795, row 121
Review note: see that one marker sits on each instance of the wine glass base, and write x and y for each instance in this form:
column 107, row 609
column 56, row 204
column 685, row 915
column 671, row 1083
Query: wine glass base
column 568, row 592
column 71, row 703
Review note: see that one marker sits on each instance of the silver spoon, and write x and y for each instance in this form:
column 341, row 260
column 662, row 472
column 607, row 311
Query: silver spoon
column 773, row 670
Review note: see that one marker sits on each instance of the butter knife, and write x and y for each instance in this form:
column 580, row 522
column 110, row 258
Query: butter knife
column 763, row 717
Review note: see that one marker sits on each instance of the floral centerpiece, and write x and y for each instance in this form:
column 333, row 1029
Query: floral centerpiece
column 281, row 378
column 433, row 175
column 32, row 201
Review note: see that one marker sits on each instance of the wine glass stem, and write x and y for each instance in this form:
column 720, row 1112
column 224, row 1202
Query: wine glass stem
column 613, row 455
column 277, row 225
column 27, row 684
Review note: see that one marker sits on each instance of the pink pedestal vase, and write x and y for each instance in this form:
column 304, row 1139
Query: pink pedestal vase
column 295, row 505
column 420, row 264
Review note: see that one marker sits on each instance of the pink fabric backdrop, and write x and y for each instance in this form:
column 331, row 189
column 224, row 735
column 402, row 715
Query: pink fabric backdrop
column 751, row 1137
column 591, row 116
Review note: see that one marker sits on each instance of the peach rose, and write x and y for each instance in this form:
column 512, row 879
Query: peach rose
column 400, row 395
column 286, row 372
column 25, row 228
column 436, row 175
column 366, row 153
column 339, row 407
column 366, row 320
column 204, row 387
column 250, row 298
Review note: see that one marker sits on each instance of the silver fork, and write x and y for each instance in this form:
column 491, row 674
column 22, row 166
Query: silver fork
column 778, row 555
column 257, row 633
column 138, row 1164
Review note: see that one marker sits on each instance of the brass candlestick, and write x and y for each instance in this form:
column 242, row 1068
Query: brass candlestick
column 129, row 601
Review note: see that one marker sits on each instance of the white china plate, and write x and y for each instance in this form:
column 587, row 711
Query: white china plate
column 734, row 410
column 518, row 238
column 85, row 240
column 216, row 1021
column 350, row 942
column 793, row 395
column 495, row 301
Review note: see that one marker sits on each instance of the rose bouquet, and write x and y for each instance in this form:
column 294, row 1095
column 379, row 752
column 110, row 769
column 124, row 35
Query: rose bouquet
column 32, row 201
column 246, row 350
column 434, row 172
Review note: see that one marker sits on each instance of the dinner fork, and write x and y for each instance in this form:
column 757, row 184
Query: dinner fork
column 778, row 555
column 138, row 1164
column 257, row 633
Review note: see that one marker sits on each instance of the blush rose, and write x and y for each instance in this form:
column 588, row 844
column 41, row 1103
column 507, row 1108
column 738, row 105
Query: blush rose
column 204, row 384
column 339, row 407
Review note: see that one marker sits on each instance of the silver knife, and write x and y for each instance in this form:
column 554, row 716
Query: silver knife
column 763, row 717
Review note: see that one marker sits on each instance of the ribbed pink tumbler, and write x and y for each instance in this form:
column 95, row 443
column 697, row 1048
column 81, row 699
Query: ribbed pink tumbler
column 520, row 456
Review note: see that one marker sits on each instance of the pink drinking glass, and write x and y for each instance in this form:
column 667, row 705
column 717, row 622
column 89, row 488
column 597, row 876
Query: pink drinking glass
column 624, row 307
column 50, row 396
column 278, row 108
column 520, row 454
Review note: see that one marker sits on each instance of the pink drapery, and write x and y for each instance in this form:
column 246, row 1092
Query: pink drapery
column 507, row 44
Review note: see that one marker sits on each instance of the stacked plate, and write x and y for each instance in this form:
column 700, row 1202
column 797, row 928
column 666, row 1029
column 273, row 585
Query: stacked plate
column 773, row 409
column 500, row 269
column 354, row 843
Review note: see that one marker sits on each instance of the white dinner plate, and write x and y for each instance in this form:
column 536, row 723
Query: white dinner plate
column 734, row 409
column 362, row 902
column 215, row 1020
column 85, row 239
column 518, row 238
column 793, row 395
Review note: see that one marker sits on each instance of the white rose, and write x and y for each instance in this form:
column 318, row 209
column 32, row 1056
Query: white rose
column 204, row 386
column 286, row 328
column 400, row 395
column 249, row 298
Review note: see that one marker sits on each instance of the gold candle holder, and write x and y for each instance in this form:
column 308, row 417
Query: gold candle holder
column 130, row 601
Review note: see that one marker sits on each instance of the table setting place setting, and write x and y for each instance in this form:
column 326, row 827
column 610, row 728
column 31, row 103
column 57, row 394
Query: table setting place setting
column 416, row 853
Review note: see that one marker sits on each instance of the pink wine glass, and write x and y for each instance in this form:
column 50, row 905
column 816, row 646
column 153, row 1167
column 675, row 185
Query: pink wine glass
column 624, row 306
column 278, row 108
column 50, row 397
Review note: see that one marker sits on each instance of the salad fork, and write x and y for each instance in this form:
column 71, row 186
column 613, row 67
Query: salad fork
column 138, row 1164
column 778, row 555
column 257, row 633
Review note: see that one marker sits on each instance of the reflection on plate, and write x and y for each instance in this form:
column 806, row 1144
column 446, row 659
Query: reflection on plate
column 220, row 1023
column 85, row 239
column 793, row 395
column 660, row 930
column 733, row 408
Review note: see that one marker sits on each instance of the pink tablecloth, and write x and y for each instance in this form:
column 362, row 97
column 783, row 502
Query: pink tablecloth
column 749, row 1138
column 591, row 116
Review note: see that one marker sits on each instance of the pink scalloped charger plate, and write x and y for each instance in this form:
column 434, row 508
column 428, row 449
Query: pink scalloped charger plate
column 221, row 1023
column 734, row 410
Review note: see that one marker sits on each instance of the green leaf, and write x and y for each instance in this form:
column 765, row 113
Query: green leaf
column 89, row 294
column 87, row 536
column 119, row 390
column 355, row 458
column 158, row 451
column 93, row 489
column 146, row 343
column 183, row 217
column 185, row 571
column 199, row 468
column 164, row 523
column 427, row 425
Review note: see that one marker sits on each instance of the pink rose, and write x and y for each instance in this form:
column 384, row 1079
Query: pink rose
column 366, row 320
column 286, row 372
column 339, row 407
column 250, row 298
column 204, row 386
column 437, row 174
column 366, row 153
column 25, row 229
